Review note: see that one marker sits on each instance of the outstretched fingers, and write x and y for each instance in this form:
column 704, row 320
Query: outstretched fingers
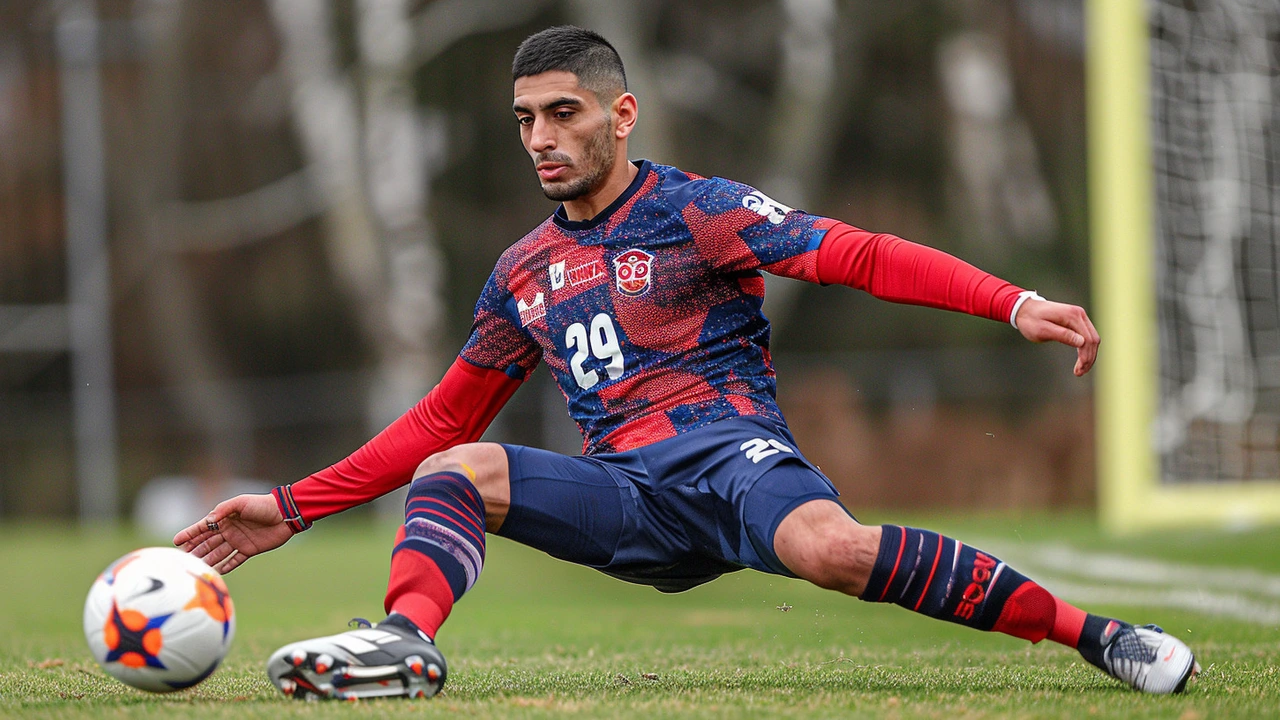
column 208, row 545
column 193, row 534
column 235, row 560
column 217, row 553
column 232, row 533
column 200, row 530
column 191, row 542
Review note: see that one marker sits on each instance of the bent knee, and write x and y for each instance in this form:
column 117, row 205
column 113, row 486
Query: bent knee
column 485, row 465
column 845, row 558
column 477, row 461
column 835, row 553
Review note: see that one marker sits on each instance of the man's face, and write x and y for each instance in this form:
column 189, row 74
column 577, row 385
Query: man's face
column 566, row 132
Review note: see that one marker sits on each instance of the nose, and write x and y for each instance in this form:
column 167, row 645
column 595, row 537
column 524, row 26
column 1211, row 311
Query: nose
column 541, row 136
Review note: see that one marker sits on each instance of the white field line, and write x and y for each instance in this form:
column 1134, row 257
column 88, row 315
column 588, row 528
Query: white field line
column 1121, row 567
column 1230, row 605
column 1126, row 580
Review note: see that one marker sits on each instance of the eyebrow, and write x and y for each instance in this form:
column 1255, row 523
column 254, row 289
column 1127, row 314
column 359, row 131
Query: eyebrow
column 551, row 105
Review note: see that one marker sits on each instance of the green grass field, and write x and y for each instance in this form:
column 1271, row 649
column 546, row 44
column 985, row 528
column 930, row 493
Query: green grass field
column 541, row 638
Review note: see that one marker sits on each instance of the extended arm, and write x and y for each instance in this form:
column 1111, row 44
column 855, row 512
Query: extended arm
column 456, row 411
column 894, row 269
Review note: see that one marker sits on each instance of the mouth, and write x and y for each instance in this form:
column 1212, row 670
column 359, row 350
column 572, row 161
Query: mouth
column 550, row 172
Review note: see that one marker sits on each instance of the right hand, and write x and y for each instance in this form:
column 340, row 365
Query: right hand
column 1048, row 321
column 236, row 530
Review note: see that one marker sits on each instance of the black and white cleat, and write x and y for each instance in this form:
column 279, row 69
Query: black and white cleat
column 1147, row 659
column 383, row 661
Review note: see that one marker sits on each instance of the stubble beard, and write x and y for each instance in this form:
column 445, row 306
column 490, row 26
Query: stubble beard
column 597, row 157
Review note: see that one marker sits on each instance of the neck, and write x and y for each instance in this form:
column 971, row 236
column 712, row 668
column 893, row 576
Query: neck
column 594, row 202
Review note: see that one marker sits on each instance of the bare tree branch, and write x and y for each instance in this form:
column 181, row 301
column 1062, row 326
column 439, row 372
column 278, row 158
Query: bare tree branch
column 231, row 222
column 327, row 117
column 800, row 131
column 399, row 186
column 188, row 355
column 444, row 22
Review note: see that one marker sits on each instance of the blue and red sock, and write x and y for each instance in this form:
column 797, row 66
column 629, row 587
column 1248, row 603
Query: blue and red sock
column 945, row 579
column 439, row 551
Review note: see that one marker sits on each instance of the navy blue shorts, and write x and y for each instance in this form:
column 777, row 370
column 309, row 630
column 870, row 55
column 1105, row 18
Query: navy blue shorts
column 674, row 514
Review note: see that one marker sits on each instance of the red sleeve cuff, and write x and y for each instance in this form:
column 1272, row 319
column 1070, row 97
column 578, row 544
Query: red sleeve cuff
column 289, row 509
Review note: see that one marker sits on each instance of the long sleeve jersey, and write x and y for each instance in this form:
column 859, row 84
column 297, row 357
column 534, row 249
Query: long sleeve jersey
column 649, row 317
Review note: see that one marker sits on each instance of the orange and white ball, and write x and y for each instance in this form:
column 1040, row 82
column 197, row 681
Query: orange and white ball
column 159, row 619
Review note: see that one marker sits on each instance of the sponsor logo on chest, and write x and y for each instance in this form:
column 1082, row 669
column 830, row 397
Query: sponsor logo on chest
column 633, row 272
column 575, row 276
column 585, row 273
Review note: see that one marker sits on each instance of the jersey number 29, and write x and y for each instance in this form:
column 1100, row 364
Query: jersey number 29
column 601, row 340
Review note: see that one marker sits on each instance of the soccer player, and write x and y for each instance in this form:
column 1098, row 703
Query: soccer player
column 642, row 293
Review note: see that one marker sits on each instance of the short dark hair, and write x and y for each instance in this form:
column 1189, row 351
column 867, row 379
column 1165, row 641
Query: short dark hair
column 567, row 48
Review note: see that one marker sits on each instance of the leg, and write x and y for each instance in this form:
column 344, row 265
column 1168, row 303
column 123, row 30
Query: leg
column 821, row 543
column 485, row 465
column 439, row 552
column 568, row 507
column 456, row 496
column 922, row 571
column 936, row 576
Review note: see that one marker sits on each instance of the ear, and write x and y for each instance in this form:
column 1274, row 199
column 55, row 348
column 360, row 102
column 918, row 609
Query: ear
column 625, row 113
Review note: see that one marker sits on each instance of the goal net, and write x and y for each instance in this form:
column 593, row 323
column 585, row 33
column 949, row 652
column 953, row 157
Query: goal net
column 1189, row 420
column 1215, row 115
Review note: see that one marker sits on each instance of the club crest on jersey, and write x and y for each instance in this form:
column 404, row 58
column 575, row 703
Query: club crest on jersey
column 633, row 272
column 765, row 206
column 531, row 312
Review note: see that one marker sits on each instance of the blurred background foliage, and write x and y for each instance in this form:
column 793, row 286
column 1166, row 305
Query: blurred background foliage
column 304, row 198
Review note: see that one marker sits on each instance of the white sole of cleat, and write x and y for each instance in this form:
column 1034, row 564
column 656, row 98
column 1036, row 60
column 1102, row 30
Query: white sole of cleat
column 311, row 676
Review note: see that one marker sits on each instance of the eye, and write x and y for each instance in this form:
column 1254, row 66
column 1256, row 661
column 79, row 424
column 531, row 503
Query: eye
column 524, row 119
column 563, row 114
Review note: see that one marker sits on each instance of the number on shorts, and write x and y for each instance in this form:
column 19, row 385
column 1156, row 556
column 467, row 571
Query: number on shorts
column 758, row 449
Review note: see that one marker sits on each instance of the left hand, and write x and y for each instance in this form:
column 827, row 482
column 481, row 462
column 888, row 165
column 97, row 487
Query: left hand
column 1045, row 320
column 234, row 531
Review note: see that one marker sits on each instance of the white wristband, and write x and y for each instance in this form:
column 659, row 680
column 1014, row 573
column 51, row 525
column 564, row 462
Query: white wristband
column 1023, row 296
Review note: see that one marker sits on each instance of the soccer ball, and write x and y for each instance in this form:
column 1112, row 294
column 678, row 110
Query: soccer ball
column 159, row 619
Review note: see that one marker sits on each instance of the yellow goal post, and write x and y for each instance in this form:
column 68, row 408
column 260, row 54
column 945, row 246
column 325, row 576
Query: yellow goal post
column 1134, row 490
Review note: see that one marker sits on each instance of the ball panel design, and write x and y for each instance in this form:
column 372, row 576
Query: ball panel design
column 159, row 619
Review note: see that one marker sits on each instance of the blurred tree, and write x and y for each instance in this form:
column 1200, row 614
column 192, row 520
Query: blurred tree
column 294, row 183
column 362, row 140
column 190, row 357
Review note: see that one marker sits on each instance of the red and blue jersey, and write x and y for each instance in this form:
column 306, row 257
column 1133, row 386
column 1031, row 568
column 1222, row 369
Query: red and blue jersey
column 649, row 315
